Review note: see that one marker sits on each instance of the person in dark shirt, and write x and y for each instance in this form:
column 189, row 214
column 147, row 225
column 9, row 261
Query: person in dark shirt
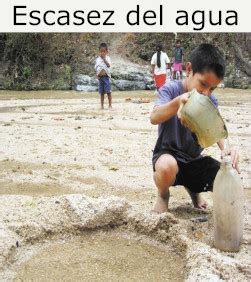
column 177, row 158
column 178, row 60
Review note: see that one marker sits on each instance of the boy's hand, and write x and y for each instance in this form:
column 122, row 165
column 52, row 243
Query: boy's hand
column 182, row 101
column 184, row 98
column 234, row 157
column 105, row 61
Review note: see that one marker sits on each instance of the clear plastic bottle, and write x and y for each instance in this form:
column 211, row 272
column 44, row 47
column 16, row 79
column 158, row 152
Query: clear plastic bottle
column 228, row 208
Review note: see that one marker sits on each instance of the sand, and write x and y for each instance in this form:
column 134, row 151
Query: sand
column 68, row 168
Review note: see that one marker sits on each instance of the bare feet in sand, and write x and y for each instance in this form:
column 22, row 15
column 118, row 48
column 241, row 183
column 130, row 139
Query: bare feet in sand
column 161, row 204
column 197, row 200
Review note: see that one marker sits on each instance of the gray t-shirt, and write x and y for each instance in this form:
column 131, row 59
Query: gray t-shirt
column 175, row 138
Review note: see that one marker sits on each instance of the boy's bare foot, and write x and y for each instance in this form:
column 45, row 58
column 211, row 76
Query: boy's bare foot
column 161, row 204
column 197, row 200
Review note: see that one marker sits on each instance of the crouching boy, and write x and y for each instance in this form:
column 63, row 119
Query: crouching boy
column 177, row 158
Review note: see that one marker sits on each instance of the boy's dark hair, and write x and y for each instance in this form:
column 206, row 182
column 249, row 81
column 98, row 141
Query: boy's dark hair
column 178, row 41
column 207, row 57
column 103, row 45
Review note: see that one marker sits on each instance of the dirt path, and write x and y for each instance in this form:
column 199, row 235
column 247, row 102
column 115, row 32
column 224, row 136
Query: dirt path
column 116, row 50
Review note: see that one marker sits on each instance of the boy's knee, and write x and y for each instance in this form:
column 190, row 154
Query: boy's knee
column 166, row 167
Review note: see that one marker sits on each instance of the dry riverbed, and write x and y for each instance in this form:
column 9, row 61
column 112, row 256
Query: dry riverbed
column 76, row 182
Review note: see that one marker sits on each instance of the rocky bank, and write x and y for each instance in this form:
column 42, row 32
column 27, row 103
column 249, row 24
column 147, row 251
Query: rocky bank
column 65, row 61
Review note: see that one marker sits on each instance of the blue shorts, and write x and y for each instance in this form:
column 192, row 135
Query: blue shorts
column 104, row 85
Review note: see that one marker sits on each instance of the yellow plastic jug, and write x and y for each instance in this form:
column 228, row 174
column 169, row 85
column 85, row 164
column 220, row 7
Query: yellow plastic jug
column 203, row 118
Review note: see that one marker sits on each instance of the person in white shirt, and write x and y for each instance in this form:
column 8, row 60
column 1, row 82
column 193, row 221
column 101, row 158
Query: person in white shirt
column 160, row 63
column 102, row 67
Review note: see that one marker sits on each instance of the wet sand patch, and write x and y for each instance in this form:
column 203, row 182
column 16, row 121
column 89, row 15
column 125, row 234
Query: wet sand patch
column 32, row 189
column 103, row 257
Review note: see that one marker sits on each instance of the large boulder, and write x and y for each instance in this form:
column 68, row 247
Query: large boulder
column 122, row 84
column 125, row 76
column 85, row 83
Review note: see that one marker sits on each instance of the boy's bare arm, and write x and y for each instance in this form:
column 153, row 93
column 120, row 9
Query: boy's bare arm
column 164, row 112
column 221, row 144
column 106, row 62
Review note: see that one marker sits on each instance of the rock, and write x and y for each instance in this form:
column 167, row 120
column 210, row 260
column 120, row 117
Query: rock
column 131, row 73
column 85, row 83
column 113, row 168
column 124, row 77
column 203, row 218
column 128, row 85
column 141, row 100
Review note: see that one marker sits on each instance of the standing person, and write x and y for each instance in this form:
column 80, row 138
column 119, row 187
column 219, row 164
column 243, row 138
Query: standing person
column 160, row 63
column 178, row 60
column 177, row 158
column 102, row 67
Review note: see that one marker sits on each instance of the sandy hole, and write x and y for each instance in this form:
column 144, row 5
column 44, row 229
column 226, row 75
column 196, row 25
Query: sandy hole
column 99, row 256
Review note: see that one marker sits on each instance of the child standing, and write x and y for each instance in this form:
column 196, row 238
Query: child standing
column 177, row 158
column 102, row 67
column 178, row 60
column 160, row 64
